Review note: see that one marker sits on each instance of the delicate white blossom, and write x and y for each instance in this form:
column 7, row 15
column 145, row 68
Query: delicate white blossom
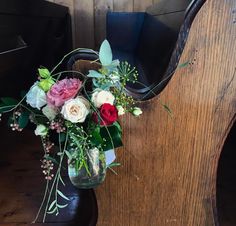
column 76, row 110
column 101, row 97
column 36, row 97
column 41, row 130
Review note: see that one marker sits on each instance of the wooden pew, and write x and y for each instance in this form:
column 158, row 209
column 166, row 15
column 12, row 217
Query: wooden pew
column 169, row 164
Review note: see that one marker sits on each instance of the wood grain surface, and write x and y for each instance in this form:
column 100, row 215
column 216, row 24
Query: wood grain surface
column 169, row 164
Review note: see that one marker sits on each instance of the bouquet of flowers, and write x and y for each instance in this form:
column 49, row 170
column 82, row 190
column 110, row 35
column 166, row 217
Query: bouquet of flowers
column 83, row 111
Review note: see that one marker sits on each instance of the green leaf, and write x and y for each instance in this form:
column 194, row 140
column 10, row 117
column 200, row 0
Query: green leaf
column 62, row 195
column 44, row 73
column 52, row 204
column 114, row 164
column 68, row 154
column 52, row 159
column 62, row 137
column 60, row 178
column 95, row 74
column 183, row 64
column 105, row 53
column 53, row 211
column 96, row 138
column 6, row 108
column 62, row 206
column 9, row 101
column 112, row 136
column 117, row 124
column 23, row 119
column 167, row 109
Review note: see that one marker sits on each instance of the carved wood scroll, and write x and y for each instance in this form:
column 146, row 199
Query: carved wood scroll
column 169, row 164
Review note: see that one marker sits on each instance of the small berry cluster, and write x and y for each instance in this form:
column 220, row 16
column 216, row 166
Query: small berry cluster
column 15, row 125
column 47, row 167
column 48, row 145
column 58, row 126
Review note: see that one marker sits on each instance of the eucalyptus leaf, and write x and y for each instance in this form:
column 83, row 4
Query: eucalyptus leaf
column 105, row 53
column 95, row 74
column 62, row 195
column 113, row 66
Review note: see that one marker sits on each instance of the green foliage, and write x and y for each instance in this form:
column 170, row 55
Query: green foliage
column 44, row 73
column 105, row 53
column 23, row 119
column 62, row 195
column 185, row 64
column 167, row 109
column 9, row 101
column 4, row 109
column 112, row 137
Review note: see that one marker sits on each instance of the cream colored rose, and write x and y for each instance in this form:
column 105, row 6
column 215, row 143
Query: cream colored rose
column 76, row 110
column 101, row 97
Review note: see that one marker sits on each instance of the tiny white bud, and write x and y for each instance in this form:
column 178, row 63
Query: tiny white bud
column 137, row 111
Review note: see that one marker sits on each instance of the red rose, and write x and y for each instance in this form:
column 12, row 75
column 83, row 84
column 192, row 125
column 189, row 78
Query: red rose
column 108, row 114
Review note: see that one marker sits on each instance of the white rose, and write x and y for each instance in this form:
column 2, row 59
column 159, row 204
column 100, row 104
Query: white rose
column 36, row 97
column 121, row 110
column 76, row 110
column 41, row 130
column 50, row 112
column 101, row 97
column 137, row 111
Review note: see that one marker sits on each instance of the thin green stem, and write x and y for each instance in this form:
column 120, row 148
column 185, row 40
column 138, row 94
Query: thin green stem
column 73, row 51
column 55, row 178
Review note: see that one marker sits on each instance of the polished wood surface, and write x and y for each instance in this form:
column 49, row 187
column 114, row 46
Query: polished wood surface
column 169, row 164
column 22, row 185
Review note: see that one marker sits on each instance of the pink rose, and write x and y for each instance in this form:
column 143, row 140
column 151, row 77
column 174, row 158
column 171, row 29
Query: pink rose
column 62, row 91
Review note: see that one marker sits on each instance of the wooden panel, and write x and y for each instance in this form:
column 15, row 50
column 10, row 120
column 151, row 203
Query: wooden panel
column 123, row 6
column 100, row 9
column 168, row 171
column 70, row 5
column 141, row 6
column 84, row 23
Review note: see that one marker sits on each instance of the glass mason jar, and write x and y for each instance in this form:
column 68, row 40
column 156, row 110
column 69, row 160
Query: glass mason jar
column 93, row 174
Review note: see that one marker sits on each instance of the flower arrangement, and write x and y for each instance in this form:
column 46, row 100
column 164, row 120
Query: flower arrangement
column 83, row 112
